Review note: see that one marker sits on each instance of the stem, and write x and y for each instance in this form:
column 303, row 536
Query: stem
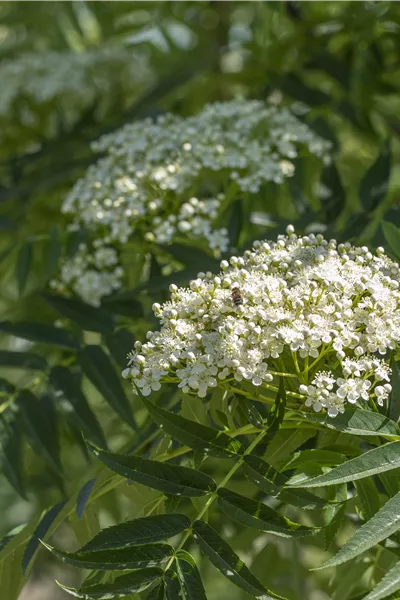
column 283, row 374
column 215, row 494
column 296, row 365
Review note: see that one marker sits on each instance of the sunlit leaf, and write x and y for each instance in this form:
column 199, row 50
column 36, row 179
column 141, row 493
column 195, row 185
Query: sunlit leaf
column 382, row 525
column 389, row 584
column 356, row 421
column 378, row 460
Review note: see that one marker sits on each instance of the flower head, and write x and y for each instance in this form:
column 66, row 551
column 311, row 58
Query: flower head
column 313, row 305
column 170, row 179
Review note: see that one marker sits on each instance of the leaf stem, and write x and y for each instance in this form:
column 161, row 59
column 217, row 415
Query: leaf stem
column 210, row 501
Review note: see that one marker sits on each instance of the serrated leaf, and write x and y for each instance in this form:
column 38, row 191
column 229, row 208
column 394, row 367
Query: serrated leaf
column 378, row 460
column 256, row 515
column 382, row 525
column 356, row 421
column 39, row 428
column 97, row 367
column 10, row 455
column 122, row 586
column 119, row 344
column 90, row 318
column 389, row 584
column 116, row 559
column 375, row 184
column 143, row 530
column 170, row 479
column 227, row 561
column 273, row 483
column 394, row 406
column 40, row 531
column 40, row 333
column 392, row 236
column 22, row 360
column 195, row 435
column 189, row 577
column 63, row 379
column 24, row 263
column 83, row 497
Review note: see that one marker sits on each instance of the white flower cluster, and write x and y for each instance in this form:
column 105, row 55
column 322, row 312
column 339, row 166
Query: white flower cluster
column 171, row 178
column 38, row 87
column 325, row 315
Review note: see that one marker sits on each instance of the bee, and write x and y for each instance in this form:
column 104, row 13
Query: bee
column 237, row 297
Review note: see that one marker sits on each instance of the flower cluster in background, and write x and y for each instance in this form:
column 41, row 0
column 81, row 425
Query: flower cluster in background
column 172, row 178
column 46, row 87
column 325, row 314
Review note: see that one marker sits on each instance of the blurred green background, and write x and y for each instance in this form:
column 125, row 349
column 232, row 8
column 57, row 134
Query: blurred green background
column 337, row 64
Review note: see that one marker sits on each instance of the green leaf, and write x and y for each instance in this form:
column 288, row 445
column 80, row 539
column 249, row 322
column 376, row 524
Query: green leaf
column 334, row 513
column 256, row 515
column 97, row 366
column 378, row 460
column 116, row 559
column 250, row 412
column 196, row 436
column 170, row 479
column 90, row 318
column 39, row 428
column 382, row 525
column 22, row 360
column 356, row 421
column 336, row 201
column 143, row 530
column 189, row 577
column 122, row 586
column 375, row 184
column 119, row 344
column 272, row 482
column 394, row 406
column 285, row 442
column 63, row 380
column 392, row 236
column 157, row 593
column 227, row 562
column 40, row 333
column 324, row 458
column 40, row 531
column 367, row 498
column 52, row 254
column 389, row 584
column 24, row 262
column 83, row 496
column 173, row 589
column 10, row 455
